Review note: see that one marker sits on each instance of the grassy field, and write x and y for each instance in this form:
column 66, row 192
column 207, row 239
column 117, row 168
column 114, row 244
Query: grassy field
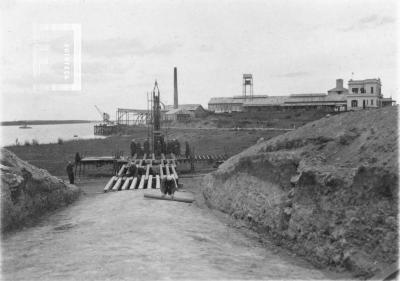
column 54, row 157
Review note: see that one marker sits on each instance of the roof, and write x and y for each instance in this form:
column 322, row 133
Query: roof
column 312, row 99
column 338, row 89
column 268, row 101
column 184, row 106
column 225, row 100
column 308, row 95
column 177, row 111
column 364, row 81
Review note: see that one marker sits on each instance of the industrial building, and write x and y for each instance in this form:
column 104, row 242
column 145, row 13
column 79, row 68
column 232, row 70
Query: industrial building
column 181, row 112
column 363, row 94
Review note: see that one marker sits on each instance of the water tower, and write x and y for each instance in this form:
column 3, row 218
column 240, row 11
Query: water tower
column 247, row 85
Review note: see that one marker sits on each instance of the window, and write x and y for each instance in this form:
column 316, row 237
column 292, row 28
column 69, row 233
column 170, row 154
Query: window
column 355, row 90
column 372, row 90
column 362, row 91
column 372, row 102
column 354, row 103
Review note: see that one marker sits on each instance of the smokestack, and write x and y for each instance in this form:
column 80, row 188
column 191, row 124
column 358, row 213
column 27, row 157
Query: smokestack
column 339, row 83
column 175, row 88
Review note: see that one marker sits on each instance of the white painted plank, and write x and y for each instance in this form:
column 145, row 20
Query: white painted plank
column 174, row 171
column 133, row 184
column 121, row 170
column 147, row 172
column 141, row 184
column 126, row 184
column 117, row 184
column 158, row 184
column 109, row 184
column 150, row 182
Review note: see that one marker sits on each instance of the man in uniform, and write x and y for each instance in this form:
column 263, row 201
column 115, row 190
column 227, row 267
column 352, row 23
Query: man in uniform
column 133, row 147
column 70, row 172
column 168, row 186
column 187, row 149
column 146, row 147
column 132, row 170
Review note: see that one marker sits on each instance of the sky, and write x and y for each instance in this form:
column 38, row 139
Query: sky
column 290, row 46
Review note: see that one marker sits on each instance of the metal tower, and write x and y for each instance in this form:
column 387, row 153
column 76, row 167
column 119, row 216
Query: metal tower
column 248, row 81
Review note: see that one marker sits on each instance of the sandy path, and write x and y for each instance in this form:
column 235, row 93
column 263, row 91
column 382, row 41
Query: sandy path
column 121, row 236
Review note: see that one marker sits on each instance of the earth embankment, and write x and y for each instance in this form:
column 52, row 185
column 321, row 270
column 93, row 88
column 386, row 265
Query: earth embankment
column 28, row 192
column 328, row 190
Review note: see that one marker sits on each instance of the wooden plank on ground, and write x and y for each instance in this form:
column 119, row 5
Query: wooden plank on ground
column 144, row 156
column 147, row 172
column 160, row 197
column 141, row 184
column 167, row 169
column 150, row 182
column 158, row 184
column 161, row 171
column 174, row 172
column 133, row 184
column 126, row 183
column 121, row 171
column 117, row 184
column 110, row 183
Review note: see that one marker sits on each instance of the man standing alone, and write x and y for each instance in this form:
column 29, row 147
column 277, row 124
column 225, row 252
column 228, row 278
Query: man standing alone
column 70, row 172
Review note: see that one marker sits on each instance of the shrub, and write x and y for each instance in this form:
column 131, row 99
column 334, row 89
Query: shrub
column 27, row 143
column 60, row 141
column 35, row 142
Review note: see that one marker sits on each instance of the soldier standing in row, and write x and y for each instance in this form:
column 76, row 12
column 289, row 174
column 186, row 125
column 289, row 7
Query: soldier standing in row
column 177, row 148
column 70, row 172
column 157, row 148
column 133, row 147
column 187, row 149
column 146, row 147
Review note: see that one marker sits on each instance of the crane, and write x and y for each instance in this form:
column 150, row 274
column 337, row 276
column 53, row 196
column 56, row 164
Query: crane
column 105, row 116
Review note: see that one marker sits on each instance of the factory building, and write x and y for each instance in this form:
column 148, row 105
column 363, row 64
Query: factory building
column 360, row 95
column 195, row 110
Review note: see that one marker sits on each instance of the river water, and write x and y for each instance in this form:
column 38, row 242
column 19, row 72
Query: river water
column 46, row 133
column 123, row 236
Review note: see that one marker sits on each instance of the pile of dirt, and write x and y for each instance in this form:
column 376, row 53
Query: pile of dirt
column 28, row 192
column 327, row 191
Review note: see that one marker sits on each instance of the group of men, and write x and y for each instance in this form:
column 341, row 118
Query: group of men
column 171, row 146
column 168, row 183
column 136, row 148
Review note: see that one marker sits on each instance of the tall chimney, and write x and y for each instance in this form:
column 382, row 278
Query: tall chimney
column 175, row 88
column 339, row 83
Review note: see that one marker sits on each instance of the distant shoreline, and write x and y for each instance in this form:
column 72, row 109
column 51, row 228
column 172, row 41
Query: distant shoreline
column 43, row 122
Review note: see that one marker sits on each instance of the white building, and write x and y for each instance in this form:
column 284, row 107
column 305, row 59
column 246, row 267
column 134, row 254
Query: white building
column 364, row 94
column 361, row 94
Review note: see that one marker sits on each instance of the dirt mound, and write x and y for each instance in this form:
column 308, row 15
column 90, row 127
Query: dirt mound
column 28, row 192
column 328, row 191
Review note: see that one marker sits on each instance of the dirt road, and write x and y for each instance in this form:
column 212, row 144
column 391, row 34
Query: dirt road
column 122, row 236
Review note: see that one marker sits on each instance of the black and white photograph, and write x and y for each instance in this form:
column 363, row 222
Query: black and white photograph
column 199, row 140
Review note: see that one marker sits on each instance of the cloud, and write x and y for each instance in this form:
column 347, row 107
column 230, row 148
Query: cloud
column 293, row 74
column 369, row 22
column 118, row 47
